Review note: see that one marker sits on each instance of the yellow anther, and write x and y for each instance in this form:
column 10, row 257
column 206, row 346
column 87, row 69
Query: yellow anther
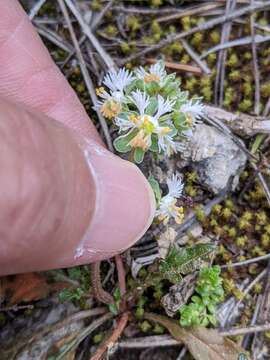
column 100, row 91
column 165, row 130
column 139, row 141
column 110, row 109
column 151, row 77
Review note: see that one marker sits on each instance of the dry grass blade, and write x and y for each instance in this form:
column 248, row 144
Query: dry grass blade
column 255, row 64
column 87, row 79
column 258, row 39
column 204, row 26
column 110, row 64
column 35, row 9
column 196, row 58
column 220, row 76
column 83, row 334
column 109, row 343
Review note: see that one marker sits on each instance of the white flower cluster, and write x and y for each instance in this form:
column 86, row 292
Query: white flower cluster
column 167, row 207
column 149, row 109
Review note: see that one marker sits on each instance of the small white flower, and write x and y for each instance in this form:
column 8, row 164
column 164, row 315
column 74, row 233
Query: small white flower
column 141, row 100
column 168, row 145
column 193, row 111
column 167, row 207
column 156, row 72
column 116, row 82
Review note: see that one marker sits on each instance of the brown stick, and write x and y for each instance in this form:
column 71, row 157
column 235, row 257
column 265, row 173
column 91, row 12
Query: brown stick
column 109, row 343
column 99, row 293
column 179, row 67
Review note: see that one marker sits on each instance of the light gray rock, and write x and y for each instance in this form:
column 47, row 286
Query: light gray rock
column 215, row 157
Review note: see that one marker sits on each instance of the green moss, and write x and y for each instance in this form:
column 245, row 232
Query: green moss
column 233, row 61
column 245, row 105
column 265, row 90
column 235, row 75
column 215, row 36
column 133, row 23
column 111, row 30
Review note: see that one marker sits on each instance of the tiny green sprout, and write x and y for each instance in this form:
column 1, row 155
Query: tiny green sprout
column 257, row 288
column 158, row 329
column 261, row 218
column 217, row 209
column 241, row 241
column 145, row 326
column 213, row 222
column 197, row 39
column 247, row 215
column 245, row 105
column 98, row 338
column 244, row 224
column 111, row 30
column 233, row 61
column 156, row 3
column 267, row 228
column 226, row 213
column 247, row 56
column 232, row 232
column 235, row 75
column 133, row 23
column 265, row 90
column 114, row 308
column 191, row 177
column 185, row 20
column 190, row 190
column 200, row 214
column 247, row 88
column 211, row 58
column 265, row 240
column 185, row 59
column 258, row 251
column 125, row 47
column 207, row 93
column 96, row 5
column 215, row 36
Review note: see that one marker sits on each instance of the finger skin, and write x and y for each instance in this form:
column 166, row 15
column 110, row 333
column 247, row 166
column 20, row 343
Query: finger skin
column 64, row 200
column 28, row 74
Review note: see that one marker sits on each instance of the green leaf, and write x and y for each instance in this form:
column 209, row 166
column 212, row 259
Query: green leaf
column 185, row 260
column 203, row 344
column 121, row 143
column 155, row 187
column 154, row 144
column 152, row 107
column 138, row 155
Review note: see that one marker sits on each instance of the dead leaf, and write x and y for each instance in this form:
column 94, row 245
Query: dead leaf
column 203, row 344
column 166, row 241
column 179, row 294
column 28, row 287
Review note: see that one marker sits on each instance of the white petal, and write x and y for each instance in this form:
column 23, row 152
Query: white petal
column 175, row 186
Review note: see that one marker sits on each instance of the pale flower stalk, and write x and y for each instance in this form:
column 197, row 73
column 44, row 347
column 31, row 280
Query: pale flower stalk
column 167, row 207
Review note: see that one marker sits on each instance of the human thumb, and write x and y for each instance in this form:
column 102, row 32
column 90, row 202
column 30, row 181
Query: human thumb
column 65, row 200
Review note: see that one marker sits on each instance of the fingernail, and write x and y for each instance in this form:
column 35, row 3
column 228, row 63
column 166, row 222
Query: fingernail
column 124, row 207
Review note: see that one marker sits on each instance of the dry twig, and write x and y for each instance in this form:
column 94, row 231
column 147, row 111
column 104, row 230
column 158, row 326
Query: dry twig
column 87, row 79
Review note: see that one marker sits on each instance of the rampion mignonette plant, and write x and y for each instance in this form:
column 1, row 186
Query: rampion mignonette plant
column 150, row 110
column 151, row 113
